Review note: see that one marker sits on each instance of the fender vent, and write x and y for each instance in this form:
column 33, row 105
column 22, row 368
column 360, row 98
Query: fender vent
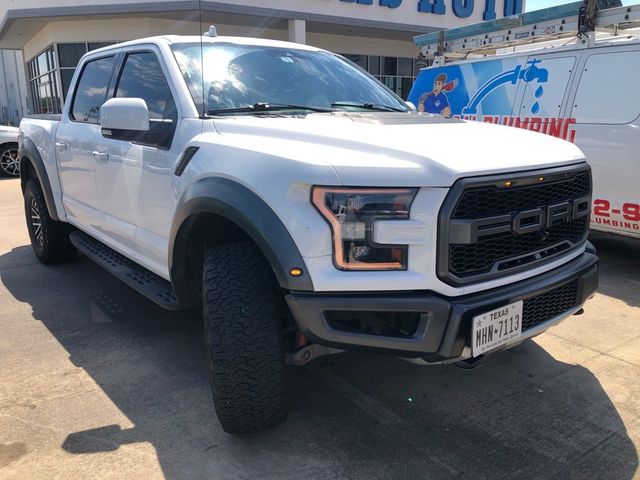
column 186, row 157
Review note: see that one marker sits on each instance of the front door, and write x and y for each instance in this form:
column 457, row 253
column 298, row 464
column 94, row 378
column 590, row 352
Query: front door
column 134, row 178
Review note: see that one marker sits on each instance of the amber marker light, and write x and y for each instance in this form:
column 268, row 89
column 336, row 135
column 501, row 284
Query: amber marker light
column 295, row 272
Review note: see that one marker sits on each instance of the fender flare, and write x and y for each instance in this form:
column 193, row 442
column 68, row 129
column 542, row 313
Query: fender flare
column 29, row 153
column 235, row 202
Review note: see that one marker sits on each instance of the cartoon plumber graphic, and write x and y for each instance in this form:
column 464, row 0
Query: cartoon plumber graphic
column 436, row 101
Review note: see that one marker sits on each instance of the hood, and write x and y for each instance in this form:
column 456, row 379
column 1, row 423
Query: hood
column 399, row 149
column 5, row 128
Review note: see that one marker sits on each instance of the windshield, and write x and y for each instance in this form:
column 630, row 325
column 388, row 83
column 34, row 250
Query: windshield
column 240, row 76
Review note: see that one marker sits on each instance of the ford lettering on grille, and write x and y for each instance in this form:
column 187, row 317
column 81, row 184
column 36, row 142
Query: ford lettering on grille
column 528, row 221
column 497, row 225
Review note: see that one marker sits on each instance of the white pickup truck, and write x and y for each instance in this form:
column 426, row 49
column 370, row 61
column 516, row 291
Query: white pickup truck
column 305, row 209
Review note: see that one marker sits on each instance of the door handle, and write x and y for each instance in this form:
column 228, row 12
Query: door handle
column 100, row 156
column 61, row 146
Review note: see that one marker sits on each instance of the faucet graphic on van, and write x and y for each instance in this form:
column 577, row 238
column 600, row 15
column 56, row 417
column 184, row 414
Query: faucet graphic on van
column 528, row 73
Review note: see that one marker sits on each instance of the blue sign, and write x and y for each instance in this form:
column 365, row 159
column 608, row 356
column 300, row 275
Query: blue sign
column 487, row 91
column 460, row 8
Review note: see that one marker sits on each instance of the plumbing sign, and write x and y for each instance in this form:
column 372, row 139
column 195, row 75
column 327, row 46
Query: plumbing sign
column 519, row 92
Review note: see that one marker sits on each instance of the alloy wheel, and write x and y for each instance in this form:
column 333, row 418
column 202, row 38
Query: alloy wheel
column 9, row 162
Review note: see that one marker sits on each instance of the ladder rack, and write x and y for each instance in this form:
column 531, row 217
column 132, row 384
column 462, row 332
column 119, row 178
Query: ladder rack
column 570, row 20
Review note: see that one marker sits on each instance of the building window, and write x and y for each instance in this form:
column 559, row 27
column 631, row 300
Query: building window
column 43, row 84
column 396, row 73
column 50, row 73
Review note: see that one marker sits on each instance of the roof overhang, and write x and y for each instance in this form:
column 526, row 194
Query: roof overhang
column 21, row 24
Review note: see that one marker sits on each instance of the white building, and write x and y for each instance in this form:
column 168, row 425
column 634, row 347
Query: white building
column 376, row 34
column 13, row 87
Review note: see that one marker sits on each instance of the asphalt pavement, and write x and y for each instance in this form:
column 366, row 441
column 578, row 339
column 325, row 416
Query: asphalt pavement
column 98, row 382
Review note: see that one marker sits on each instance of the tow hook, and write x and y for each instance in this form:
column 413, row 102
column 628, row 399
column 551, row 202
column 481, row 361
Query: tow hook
column 471, row 363
column 309, row 353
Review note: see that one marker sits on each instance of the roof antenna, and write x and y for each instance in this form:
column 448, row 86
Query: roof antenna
column 212, row 32
column 203, row 109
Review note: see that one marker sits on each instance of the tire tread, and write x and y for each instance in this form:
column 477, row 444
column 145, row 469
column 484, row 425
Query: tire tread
column 243, row 336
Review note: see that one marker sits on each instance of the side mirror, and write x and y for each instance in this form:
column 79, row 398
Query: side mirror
column 119, row 115
column 411, row 106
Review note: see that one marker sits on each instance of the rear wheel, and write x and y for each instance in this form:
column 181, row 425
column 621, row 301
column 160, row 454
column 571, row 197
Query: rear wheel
column 49, row 239
column 9, row 163
column 244, row 338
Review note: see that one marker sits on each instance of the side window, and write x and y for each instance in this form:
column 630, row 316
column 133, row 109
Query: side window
column 608, row 91
column 142, row 77
column 91, row 91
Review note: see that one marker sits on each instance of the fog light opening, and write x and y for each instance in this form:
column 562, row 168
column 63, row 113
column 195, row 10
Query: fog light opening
column 387, row 324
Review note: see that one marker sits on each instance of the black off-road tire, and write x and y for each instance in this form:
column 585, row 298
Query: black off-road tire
column 49, row 239
column 244, row 338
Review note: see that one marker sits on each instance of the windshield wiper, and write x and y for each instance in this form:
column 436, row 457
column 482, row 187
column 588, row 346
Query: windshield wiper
column 266, row 107
column 368, row 106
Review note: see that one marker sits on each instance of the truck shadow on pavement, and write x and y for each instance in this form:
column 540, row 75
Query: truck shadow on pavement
column 522, row 415
column 620, row 262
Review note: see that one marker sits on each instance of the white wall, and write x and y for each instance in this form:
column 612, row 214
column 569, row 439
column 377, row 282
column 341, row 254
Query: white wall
column 131, row 28
column 405, row 14
column 13, row 87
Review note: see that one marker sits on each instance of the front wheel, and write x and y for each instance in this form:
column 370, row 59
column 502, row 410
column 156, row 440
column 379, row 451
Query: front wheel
column 244, row 338
column 49, row 239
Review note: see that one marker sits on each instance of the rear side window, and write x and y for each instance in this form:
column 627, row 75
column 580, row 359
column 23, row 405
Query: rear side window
column 608, row 92
column 142, row 77
column 91, row 91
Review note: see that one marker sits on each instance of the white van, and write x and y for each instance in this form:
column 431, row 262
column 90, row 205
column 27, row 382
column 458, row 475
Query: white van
column 588, row 96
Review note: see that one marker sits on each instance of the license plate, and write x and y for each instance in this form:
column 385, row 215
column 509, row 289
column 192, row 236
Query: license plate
column 495, row 328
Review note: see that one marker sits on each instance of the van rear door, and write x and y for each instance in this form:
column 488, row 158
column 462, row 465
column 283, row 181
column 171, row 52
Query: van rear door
column 605, row 105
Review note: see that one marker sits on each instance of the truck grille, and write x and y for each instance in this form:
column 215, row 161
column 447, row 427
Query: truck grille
column 544, row 307
column 481, row 256
column 489, row 200
column 489, row 229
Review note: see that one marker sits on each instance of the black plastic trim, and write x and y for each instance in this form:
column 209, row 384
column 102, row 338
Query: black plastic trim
column 445, row 331
column 186, row 157
column 235, row 202
column 445, row 232
column 29, row 153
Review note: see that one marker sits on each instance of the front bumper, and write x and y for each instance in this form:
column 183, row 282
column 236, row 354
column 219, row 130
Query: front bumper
column 444, row 328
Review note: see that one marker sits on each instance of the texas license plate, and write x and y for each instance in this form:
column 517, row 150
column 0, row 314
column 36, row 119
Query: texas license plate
column 495, row 328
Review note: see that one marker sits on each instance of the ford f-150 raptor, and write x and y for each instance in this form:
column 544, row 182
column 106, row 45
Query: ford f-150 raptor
column 306, row 209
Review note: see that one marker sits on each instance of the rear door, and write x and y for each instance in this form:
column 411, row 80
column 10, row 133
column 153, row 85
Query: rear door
column 134, row 179
column 76, row 138
column 606, row 109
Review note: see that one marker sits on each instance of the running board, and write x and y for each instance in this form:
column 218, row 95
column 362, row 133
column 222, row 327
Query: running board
column 155, row 288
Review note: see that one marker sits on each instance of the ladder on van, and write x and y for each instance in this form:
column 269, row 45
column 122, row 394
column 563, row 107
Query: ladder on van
column 578, row 19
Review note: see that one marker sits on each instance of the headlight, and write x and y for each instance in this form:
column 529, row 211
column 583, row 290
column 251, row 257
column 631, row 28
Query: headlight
column 352, row 213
